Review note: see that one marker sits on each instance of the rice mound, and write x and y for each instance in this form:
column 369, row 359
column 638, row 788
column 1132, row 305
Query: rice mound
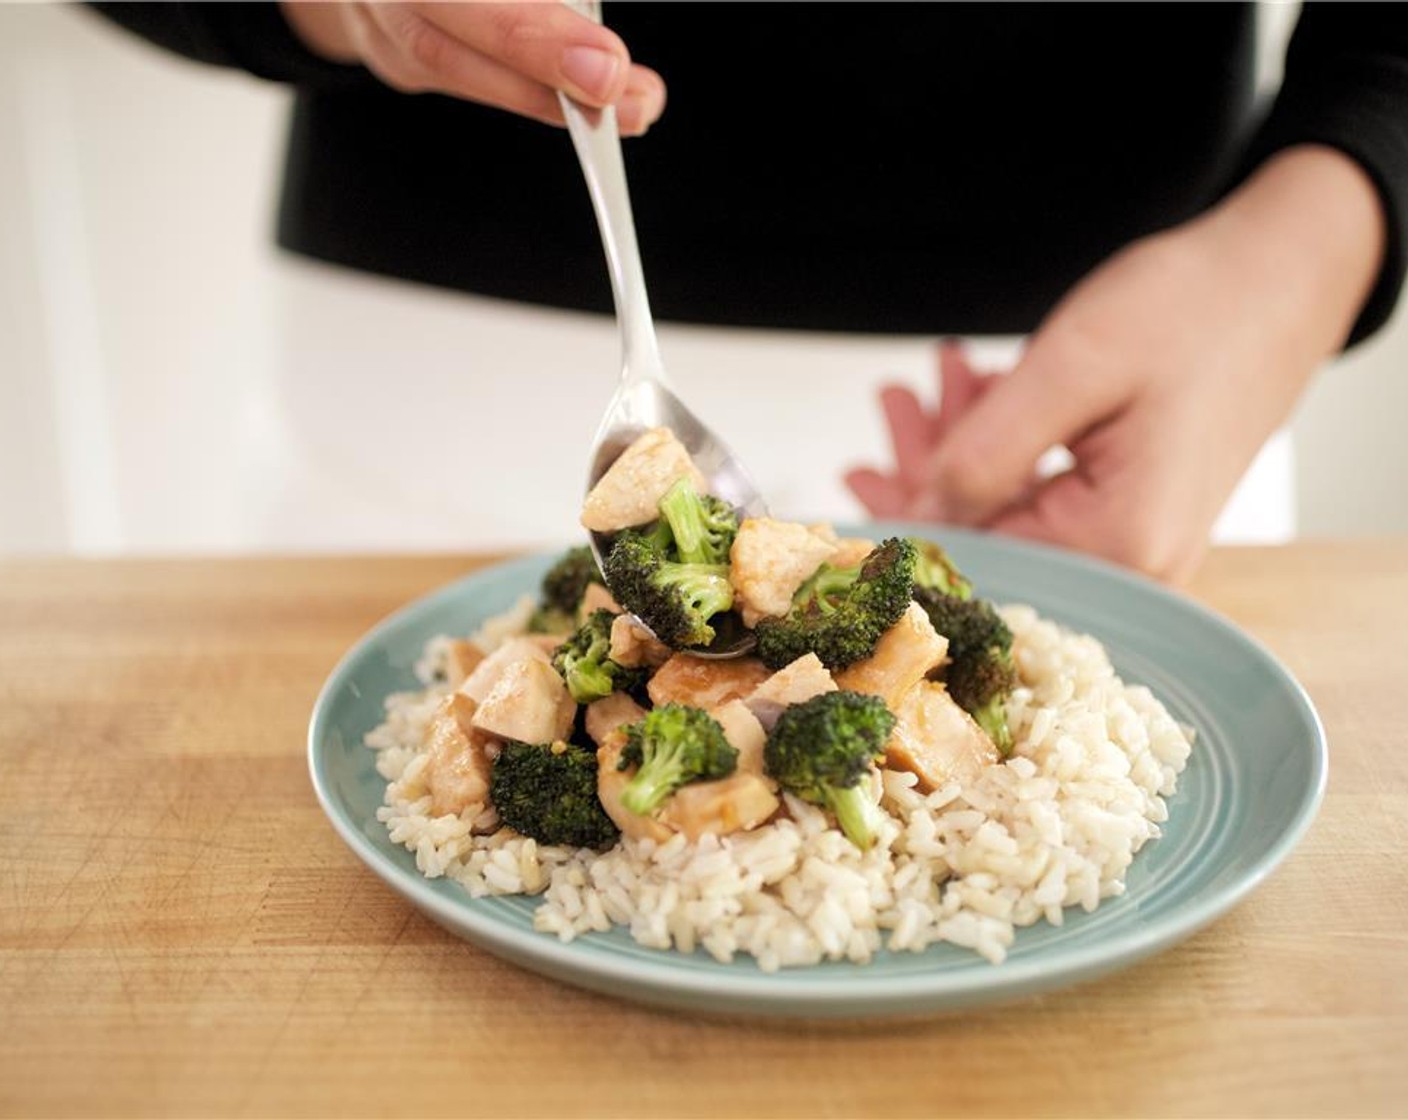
column 1054, row 825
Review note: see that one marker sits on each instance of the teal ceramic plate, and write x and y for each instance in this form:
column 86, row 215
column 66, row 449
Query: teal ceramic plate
column 1249, row 792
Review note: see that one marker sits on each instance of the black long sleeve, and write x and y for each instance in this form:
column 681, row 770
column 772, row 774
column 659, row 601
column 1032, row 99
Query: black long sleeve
column 1346, row 86
column 246, row 36
column 990, row 154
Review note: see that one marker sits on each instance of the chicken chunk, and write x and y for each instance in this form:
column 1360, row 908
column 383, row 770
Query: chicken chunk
column 936, row 740
column 486, row 674
column 610, row 783
column 458, row 770
column 529, row 703
column 596, row 598
column 905, row 654
column 733, row 804
column 801, row 680
column 743, row 800
column 461, row 659
column 744, row 734
column 633, row 646
column 702, row 683
column 846, row 552
column 629, row 492
column 849, row 552
column 769, row 560
column 610, row 714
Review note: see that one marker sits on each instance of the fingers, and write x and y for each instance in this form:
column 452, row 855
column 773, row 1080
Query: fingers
column 1069, row 513
column 987, row 457
column 910, row 430
column 1124, row 508
column 546, row 43
column 914, row 431
column 414, row 56
column 960, row 385
column 882, row 495
column 642, row 103
column 511, row 56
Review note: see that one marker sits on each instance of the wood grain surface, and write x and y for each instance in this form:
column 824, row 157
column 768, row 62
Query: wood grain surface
column 182, row 933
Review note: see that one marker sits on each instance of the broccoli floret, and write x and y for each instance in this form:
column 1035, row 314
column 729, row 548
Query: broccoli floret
column 674, row 744
column 548, row 792
column 822, row 749
column 840, row 613
column 703, row 526
column 561, row 591
column 567, row 580
column 585, row 665
column 935, row 569
column 549, row 620
column 676, row 600
column 980, row 673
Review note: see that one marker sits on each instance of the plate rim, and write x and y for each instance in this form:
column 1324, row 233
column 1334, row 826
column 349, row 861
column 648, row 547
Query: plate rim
column 801, row 990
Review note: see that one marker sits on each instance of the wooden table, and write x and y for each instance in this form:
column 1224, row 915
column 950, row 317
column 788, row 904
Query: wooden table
column 182, row 934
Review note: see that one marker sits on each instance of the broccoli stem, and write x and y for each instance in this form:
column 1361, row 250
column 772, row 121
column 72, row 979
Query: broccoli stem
column 657, row 778
column 825, row 585
column 992, row 718
column 681, row 510
column 858, row 816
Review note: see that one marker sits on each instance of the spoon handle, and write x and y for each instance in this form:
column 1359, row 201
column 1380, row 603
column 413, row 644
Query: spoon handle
column 598, row 147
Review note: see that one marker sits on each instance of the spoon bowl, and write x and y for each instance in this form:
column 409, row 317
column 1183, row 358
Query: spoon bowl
column 643, row 398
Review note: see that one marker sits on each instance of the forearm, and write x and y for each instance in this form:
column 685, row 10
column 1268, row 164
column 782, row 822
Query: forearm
column 1305, row 238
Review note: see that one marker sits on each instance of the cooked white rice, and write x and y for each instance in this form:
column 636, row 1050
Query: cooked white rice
column 1053, row 826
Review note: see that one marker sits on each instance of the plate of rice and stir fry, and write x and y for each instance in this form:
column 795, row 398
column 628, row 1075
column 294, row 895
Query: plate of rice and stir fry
column 948, row 769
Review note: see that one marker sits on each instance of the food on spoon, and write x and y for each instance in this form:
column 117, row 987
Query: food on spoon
column 676, row 600
column 824, row 749
column 629, row 493
column 703, row 527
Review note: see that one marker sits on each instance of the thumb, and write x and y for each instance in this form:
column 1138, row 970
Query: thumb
column 987, row 459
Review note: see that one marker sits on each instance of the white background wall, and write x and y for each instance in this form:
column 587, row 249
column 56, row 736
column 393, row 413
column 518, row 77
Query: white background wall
column 171, row 383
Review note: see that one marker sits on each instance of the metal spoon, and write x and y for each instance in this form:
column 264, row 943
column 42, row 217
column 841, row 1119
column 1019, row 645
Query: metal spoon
column 643, row 398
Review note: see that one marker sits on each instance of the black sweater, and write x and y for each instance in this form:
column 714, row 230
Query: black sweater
column 909, row 168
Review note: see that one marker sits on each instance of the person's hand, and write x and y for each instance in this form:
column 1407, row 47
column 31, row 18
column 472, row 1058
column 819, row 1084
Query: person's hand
column 1162, row 372
column 514, row 56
